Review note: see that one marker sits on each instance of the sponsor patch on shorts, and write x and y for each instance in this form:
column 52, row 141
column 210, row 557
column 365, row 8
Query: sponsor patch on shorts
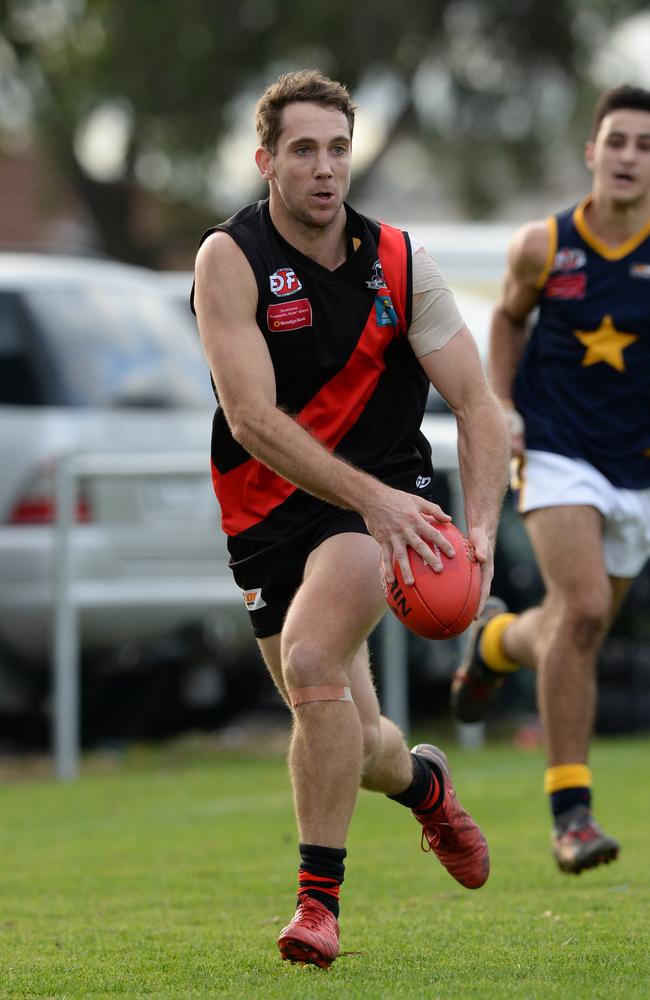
column 253, row 599
column 292, row 315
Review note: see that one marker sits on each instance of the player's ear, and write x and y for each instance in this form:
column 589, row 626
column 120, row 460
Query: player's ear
column 264, row 162
column 589, row 154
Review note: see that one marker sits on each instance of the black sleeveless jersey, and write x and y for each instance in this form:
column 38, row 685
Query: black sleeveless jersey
column 343, row 368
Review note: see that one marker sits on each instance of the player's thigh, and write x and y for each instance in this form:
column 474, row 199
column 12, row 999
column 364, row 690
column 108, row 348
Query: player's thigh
column 270, row 648
column 362, row 686
column 568, row 545
column 340, row 599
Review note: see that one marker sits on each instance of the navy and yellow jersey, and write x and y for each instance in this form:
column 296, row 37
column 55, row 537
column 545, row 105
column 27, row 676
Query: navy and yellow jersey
column 343, row 368
column 583, row 386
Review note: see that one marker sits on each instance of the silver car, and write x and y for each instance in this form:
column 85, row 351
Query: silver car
column 96, row 358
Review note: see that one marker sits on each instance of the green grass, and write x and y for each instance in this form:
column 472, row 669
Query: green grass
column 171, row 874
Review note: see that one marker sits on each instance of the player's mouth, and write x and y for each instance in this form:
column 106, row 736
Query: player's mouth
column 623, row 177
column 323, row 196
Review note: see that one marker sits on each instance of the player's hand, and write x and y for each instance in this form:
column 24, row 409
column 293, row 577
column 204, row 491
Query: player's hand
column 400, row 521
column 484, row 550
column 517, row 428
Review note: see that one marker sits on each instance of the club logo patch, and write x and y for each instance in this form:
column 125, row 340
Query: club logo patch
column 377, row 280
column 569, row 259
column 292, row 315
column 384, row 311
column 284, row 281
column 640, row 270
column 253, row 599
column 567, row 286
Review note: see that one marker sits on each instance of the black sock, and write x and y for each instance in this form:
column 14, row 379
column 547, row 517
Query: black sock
column 321, row 873
column 568, row 798
column 426, row 791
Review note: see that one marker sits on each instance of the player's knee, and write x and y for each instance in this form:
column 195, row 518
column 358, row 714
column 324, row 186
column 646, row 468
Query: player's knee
column 306, row 664
column 586, row 618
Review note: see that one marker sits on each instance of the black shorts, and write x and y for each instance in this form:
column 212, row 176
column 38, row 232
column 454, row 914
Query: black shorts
column 270, row 578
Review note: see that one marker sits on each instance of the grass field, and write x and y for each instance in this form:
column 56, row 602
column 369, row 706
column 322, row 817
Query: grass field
column 171, row 873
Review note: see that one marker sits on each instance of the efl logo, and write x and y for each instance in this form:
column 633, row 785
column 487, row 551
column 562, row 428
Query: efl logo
column 284, row 281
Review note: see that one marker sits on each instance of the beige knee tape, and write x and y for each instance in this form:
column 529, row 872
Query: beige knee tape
column 299, row 696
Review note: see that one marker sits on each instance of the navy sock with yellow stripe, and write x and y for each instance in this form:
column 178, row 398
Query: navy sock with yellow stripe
column 567, row 785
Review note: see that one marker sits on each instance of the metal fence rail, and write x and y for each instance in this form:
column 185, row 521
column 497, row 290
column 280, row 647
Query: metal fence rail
column 72, row 595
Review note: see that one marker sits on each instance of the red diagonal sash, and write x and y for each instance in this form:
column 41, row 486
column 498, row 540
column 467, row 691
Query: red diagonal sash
column 249, row 492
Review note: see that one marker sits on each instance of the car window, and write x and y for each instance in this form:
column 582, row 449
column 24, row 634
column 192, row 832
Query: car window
column 19, row 383
column 122, row 346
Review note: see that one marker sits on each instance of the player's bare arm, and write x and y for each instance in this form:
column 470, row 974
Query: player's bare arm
column 243, row 374
column 527, row 260
column 483, row 442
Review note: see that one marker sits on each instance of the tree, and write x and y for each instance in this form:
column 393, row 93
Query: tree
column 486, row 87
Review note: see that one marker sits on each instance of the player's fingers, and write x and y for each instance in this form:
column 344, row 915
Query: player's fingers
column 387, row 563
column 487, row 572
column 433, row 510
column 437, row 537
column 481, row 545
column 402, row 560
column 427, row 553
column 517, row 445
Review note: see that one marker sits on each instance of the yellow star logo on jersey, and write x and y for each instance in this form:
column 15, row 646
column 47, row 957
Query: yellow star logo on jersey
column 605, row 344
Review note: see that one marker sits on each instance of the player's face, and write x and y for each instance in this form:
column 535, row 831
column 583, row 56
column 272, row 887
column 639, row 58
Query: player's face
column 619, row 157
column 310, row 170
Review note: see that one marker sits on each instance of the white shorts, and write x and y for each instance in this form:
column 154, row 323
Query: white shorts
column 548, row 480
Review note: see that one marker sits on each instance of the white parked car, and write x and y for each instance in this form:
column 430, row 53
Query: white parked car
column 95, row 358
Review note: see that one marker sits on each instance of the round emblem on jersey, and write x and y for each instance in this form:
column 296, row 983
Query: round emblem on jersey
column 284, row 281
column 569, row 259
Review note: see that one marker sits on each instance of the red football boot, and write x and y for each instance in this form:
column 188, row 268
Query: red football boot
column 450, row 832
column 312, row 936
column 578, row 842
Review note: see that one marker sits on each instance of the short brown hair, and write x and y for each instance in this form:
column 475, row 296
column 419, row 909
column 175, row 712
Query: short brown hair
column 625, row 96
column 307, row 85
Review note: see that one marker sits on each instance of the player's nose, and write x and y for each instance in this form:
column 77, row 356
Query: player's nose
column 323, row 166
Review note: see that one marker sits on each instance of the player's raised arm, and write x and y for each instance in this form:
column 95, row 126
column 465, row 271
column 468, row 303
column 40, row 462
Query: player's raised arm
column 483, row 441
column 527, row 261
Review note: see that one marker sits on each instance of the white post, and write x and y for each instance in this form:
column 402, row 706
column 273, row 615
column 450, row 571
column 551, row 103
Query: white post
column 65, row 708
column 393, row 660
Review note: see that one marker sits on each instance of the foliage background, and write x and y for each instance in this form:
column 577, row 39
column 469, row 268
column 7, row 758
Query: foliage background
column 472, row 105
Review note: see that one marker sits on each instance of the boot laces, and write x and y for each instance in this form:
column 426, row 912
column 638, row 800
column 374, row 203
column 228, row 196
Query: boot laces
column 431, row 837
column 309, row 914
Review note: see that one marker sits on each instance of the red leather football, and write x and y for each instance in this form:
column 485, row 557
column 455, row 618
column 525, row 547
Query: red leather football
column 438, row 605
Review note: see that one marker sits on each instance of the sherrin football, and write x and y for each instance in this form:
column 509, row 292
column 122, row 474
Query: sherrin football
column 438, row 605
